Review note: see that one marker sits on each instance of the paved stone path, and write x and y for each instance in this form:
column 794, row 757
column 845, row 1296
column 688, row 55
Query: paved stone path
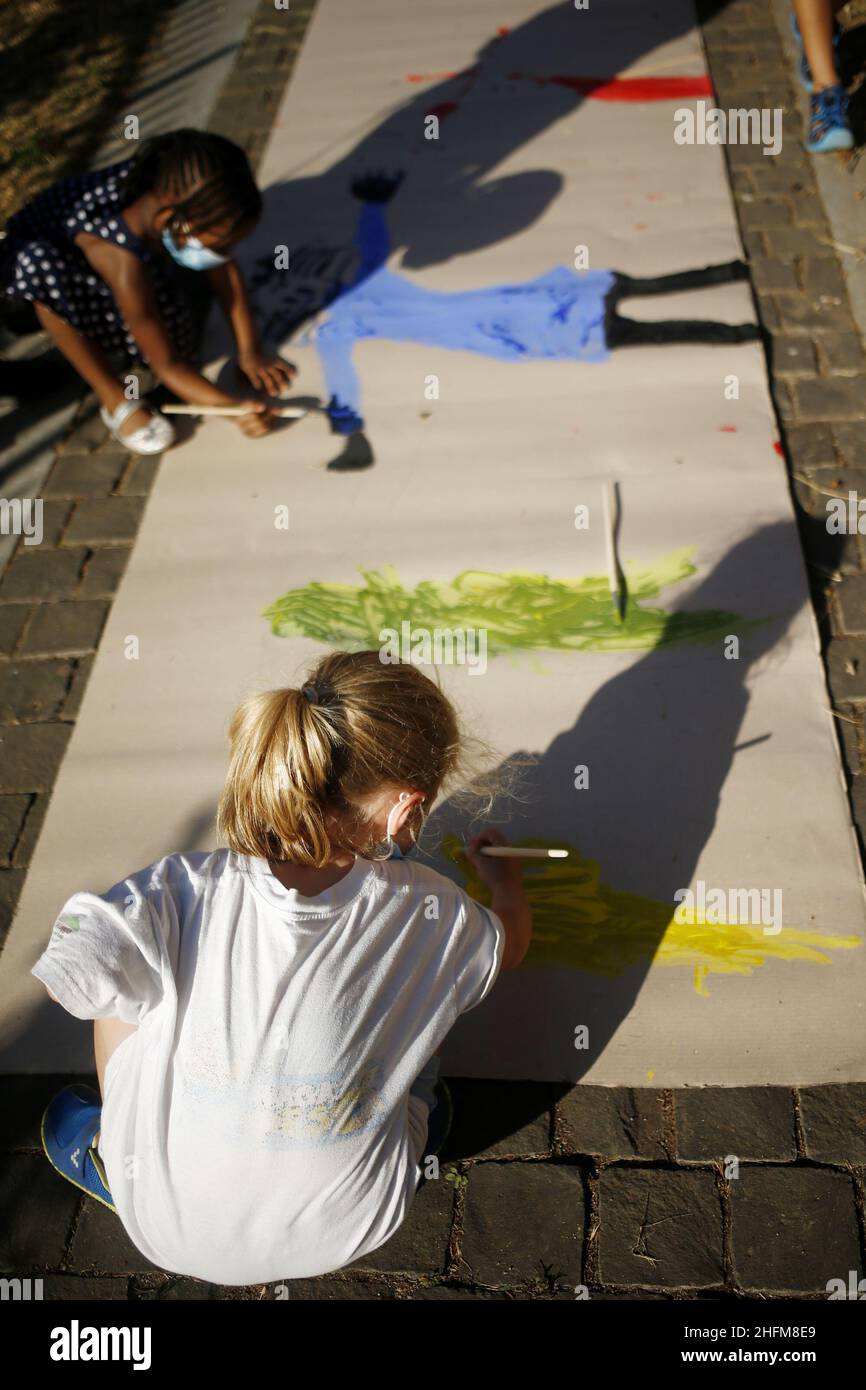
column 543, row 1188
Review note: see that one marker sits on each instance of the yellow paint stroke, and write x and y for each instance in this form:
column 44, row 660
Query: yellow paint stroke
column 581, row 923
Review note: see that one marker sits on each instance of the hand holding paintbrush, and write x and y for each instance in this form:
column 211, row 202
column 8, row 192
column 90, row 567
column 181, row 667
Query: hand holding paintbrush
column 502, row 875
column 285, row 412
column 254, row 417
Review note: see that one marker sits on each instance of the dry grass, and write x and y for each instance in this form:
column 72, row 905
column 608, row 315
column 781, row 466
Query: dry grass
column 64, row 65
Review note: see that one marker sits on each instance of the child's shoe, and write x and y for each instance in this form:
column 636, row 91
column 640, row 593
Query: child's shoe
column 805, row 70
column 828, row 121
column 152, row 438
column 70, row 1134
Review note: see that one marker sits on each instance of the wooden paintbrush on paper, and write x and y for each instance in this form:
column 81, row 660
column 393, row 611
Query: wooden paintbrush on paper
column 522, row 852
column 286, row 412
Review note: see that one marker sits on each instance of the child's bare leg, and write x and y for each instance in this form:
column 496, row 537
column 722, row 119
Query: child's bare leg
column 90, row 362
column 108, row 1033
column 815, row 20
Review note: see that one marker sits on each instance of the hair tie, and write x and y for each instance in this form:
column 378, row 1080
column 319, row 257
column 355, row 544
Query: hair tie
column 310, row 693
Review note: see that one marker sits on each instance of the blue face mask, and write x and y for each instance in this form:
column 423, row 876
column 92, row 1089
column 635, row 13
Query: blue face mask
column 193, row 255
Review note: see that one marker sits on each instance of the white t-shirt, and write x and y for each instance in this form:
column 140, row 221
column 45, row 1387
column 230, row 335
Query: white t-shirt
column 256, row 1126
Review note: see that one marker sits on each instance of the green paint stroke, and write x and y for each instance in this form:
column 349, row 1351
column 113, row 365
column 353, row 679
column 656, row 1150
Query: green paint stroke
column 517, row 610
column 581, row 923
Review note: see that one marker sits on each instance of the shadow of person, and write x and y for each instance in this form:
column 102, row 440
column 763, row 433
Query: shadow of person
column 659, row 740
column 518, row 84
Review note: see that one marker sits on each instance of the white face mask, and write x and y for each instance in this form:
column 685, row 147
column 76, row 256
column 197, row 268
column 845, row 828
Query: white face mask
column 193, row 254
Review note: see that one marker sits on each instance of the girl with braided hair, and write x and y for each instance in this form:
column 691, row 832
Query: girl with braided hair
column 105, row 259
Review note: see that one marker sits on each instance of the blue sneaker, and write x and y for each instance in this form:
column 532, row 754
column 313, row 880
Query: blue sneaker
column 805, row 70
column 70, row 1134
column 828, row 121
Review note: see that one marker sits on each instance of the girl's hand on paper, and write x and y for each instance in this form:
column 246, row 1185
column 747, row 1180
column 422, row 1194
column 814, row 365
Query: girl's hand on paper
column 265, row 372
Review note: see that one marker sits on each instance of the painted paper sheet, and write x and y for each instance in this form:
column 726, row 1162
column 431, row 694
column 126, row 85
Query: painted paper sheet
column 686, row 750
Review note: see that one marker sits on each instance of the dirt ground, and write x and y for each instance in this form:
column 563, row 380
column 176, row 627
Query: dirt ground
column 65, row 64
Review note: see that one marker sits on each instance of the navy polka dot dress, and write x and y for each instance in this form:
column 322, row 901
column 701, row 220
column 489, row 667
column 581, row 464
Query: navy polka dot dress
column 39, row 261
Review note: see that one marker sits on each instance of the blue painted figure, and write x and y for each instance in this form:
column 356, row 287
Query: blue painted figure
column 562, row 315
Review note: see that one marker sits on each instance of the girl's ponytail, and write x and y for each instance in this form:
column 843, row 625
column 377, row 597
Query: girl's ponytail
column 305, row 762
column 283, row 774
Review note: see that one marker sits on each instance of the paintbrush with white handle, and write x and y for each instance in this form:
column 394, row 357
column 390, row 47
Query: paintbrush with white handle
column 286, row 412
column 522, row 852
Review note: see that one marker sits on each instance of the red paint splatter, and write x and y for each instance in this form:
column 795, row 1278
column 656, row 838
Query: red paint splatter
column 779, row 450
column 430, row 76
column 727, row 429
column 630, row 88
column 601, row 88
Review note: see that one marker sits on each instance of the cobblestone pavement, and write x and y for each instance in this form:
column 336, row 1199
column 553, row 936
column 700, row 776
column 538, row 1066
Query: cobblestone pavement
column 543, row 1187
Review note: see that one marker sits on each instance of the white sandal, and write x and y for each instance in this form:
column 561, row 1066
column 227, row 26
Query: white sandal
column 151, row 438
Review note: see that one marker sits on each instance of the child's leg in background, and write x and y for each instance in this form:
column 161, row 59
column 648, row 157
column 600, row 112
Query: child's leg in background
column 108, row 1033
column 815, row 20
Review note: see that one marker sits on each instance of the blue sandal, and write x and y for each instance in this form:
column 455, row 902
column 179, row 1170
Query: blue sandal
column 70, row 1135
